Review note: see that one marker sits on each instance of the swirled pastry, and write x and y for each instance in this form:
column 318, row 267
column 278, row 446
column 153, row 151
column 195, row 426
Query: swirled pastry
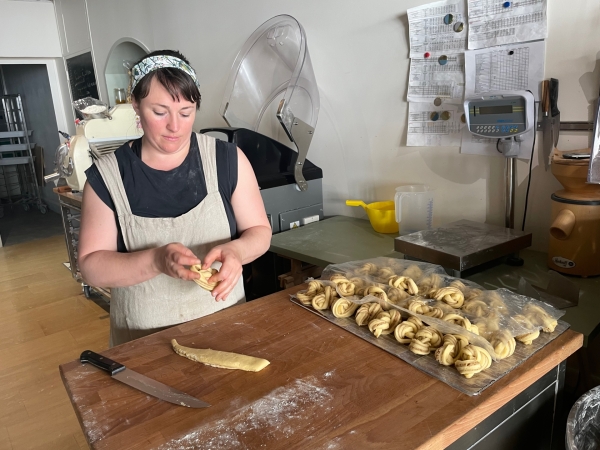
column 473, row 294
column 314, row 287
column 343, row 308
column 487, row 327
column 345, row 288
column 376, row 292
column 461, row 322
column 205, row 275
column 538, row 316
column 380, row 324
column 526, row 338
column 429, row 283
column 472, row 360
column 504, row 343
column 367, row 312
column 450, row 295
column 459, row 285
column 324, row 300
column 448, row 353
column 413, row 272
column 357, row 282
column 495, row 301
column 397, row 296
column 367, row 269
column 405, row 331
column 337, row 277
column 476, row 307
column 385, row 273
column 425, row 340
column 395, row 319
column 405, row 283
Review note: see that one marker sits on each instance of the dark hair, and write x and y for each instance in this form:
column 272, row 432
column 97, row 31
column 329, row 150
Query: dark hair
column 176, row 82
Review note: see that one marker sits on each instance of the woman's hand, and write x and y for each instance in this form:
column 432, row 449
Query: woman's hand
column 171, row 259
column 230, row 271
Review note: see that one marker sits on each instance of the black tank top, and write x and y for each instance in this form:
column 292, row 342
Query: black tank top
column 170, row 193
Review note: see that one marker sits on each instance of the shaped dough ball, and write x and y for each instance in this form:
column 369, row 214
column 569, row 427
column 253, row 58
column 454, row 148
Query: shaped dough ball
column 205, row 275
column 451, row 348
column 405, row 332
column 425, row 340
column 376, row 292
column 343, row 308
column 324, row 300
column 504, row 344
column 472, row 360
column 405, row 283
column 380, row 324
column 413, row 271
column 538, row 316
column 367, row 312
column 450, row 295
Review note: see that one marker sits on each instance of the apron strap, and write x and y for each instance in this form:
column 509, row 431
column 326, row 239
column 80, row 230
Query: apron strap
column 109, row 169
column 208, row 156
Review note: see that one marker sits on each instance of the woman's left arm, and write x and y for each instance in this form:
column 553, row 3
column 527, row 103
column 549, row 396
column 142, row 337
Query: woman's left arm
column 253, row 228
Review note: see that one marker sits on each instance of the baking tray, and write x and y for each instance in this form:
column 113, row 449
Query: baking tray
column 448, row 374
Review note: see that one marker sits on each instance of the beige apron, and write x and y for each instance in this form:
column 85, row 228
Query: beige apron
column 161, row 302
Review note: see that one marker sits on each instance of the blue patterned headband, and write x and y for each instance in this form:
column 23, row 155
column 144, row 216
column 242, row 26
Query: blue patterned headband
column 147, row 65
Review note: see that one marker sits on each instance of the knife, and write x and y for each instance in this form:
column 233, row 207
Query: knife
column 547, row 142
column 554, row 112
column 141, row 382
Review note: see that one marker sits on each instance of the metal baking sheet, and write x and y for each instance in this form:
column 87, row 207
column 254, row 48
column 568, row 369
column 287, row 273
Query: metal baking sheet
column 463, row 244
column 448, row 374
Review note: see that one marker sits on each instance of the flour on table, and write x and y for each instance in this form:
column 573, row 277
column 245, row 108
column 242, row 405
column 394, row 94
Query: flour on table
column 280, row 412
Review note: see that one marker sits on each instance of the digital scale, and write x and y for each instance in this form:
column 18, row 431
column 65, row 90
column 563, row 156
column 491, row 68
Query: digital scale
column 507, row 116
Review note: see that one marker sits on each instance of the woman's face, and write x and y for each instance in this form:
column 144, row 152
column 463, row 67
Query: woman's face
column 167, row 123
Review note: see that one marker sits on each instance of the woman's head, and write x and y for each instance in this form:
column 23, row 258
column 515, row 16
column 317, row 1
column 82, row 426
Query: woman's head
column 172, row 70
column 165, row 95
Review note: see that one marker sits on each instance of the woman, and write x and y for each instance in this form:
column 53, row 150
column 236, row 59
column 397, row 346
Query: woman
column 167, row 201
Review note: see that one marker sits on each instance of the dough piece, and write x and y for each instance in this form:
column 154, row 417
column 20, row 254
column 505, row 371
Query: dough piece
column 448, row 353
column 395, row 319
column 380, row 324
column 324, row 300
column 413, row 271
column 205, row 275
column 472, row 360
column 461, row 322
column 357, row 282
column 343, row 308
column 538, row 316
column 223, row 360
column 429, row 283
column 488, row 327
column 397, row 296
column 473, row 294
column 367, row 312
column 386, row 273
column 425, row 340
column 405, row 283
column 345, row 288
column 376, row 292
column 337, row 277
column 450, row 295
column 459, row 285
column 419, row 306
column 504, row 344
column 367, row 269
column 314, row 287
column 476, row 307
column 526, row 338
column 405, row 332
column 495, row 301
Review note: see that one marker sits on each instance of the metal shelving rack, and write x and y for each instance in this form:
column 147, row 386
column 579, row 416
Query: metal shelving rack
column 17, row 170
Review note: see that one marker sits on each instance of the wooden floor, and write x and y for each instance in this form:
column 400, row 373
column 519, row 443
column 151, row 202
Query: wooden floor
column 45, row 320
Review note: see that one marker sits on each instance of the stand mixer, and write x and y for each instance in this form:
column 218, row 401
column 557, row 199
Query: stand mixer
column 574, row 246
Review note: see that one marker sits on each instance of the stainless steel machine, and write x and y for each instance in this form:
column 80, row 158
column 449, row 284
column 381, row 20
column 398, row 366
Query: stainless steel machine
column 271, row 105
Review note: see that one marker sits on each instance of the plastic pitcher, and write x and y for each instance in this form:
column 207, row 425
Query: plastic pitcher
column 414, row 208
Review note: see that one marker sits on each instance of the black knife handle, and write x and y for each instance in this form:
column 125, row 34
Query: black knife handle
column 101, row 362
column 554, row 97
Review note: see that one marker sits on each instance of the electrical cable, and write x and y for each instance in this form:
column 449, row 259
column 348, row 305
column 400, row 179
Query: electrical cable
column 530, row 163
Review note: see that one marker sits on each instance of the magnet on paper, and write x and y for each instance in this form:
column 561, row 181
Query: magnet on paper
column 448, row 19
column 506, row 4
column 445, row 115
column 458, row 27
column 434, row 116
column 437, row 101
column 427, row 55
column 443, row 60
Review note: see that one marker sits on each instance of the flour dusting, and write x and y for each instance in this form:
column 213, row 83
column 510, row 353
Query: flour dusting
column 277, row 415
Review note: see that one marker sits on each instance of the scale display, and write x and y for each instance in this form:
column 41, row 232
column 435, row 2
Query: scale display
column 500, row 115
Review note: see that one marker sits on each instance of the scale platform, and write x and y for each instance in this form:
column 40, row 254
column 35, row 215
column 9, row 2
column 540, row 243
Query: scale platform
column 462, row 245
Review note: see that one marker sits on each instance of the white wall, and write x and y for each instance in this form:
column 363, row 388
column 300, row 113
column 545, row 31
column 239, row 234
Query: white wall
column 28, row 29
column 359, row 53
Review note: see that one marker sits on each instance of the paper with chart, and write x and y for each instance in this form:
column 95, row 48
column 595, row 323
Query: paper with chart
column 429, row 80
column 506, row 67
column 438, row 28
column 430, row 125
column 495, row 22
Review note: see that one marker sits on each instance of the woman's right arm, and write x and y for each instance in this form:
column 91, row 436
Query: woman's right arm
column 100, row 263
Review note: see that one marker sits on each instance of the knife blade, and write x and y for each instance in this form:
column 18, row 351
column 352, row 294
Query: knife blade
column 141, row 382
column 554, row 111
column 547, row 142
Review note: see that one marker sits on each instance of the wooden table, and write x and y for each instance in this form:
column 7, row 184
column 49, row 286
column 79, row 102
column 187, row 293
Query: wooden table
column 323, row 386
